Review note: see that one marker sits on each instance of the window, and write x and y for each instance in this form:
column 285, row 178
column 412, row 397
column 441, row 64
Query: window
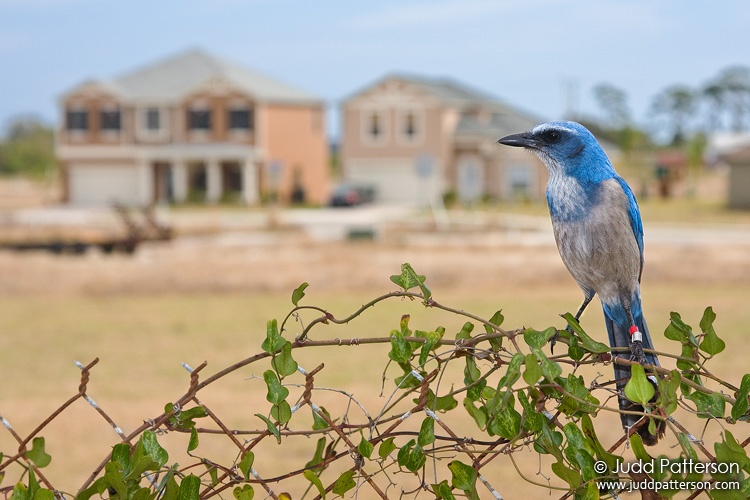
column 375, row 127
column 199, row 119
column 110, row 119
column 77, row 120
column 241, row 119
column 410, row 126
column 153, row 119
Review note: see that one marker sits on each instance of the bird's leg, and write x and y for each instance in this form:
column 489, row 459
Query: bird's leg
column 636, row 340
column 586, row 299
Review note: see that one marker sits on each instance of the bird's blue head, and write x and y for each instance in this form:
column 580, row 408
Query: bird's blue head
column 566, row 148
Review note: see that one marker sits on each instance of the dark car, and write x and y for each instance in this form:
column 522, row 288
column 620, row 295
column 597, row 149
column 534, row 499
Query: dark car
column 350, row 195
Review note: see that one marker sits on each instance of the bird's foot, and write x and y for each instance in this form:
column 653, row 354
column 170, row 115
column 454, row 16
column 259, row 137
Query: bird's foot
column 636, row 352
column 553, row 340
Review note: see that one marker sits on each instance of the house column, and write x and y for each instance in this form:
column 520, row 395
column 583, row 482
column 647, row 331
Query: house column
column 145, row 183
column 179, row 181
column 213, row 181
column 250, row 182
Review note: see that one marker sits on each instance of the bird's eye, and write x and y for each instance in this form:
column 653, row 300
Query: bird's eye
column 552, row 136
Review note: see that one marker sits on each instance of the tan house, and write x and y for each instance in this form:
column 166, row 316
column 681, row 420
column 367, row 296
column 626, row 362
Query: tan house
column 416, row 138
column 192, row 128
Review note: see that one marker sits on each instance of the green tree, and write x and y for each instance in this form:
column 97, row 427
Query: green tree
column 677, row 104
column 733, row 87
column 28, row 149
column 613, row 102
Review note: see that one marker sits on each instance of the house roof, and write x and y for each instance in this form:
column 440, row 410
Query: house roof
column 494, row 116
column 172, row 78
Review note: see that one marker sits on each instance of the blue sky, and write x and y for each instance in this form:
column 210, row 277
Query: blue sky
column 526, row 52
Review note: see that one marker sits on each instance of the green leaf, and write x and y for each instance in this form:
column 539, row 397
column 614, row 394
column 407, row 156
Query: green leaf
column 245, row 493
column 591, row 492
column 505, row 423
column 548, row 442
column 113, row 478
column 572, row 405
column 153, row 448
column 344, row 483
column 409, row 279
column 463, row 476
column 281, row 412
column 298, row 293
column 276, row 392
column 677, row 329
column 711, row 343
column 575, row 351
column 497, row 320
column 121, row 455
column 190, row 488
column 45, row 494
column 533, row 371
column 636, row 443
column 37, row 454
column 271, row 427
column 441, row 403
column 317, row 458
column 550, row 369
column 709, row 405
column 319, row 423
column 400, row 349
column 535, row 338
column 465, row 333
column 193, row 442
column 283, row 362
column 419, row 279
column 639, row 389
column 431, row 340
column 246, row 464
column 741, row 404
column 532, row 419
column 730, row 451
column 667, row 391
column 471, row 371
column 585, row 462
column 410, row 456
column 365, row 447
column 273, row 341
column 570, row 476
column 213, row 472
column 386, row 447
column 587, row 342
column 587, row 426
column 443, row 491
column 315, row 480
column 478, row 414
column 426, row 432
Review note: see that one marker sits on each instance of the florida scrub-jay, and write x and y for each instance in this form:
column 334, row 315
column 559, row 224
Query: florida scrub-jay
column 599, row 234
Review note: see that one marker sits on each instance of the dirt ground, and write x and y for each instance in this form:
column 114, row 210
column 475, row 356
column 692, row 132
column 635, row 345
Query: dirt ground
column 281, row 261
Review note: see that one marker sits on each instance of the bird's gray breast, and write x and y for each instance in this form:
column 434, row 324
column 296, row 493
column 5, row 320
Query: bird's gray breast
column 599, row 247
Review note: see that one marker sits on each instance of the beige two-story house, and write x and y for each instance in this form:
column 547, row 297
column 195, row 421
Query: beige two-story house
column 192, row 128
column 417, row 138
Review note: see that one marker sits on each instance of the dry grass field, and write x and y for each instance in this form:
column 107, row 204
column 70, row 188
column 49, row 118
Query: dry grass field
column 208, row 299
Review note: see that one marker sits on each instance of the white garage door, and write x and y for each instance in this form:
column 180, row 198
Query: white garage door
column 394, row 180
column 103, row 185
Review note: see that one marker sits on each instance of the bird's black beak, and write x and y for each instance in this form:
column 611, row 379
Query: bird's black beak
column 524, row 140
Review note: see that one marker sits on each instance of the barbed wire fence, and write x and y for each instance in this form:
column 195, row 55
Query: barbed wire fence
column 457, row 406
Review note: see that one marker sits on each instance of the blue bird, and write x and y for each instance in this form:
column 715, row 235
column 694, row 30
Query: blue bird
column 599, row 234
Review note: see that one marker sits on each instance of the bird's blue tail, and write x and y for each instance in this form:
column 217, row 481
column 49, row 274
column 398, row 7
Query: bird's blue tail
column 618, row 328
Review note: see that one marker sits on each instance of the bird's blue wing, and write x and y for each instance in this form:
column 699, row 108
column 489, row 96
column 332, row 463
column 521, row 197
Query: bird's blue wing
column 635, row 217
